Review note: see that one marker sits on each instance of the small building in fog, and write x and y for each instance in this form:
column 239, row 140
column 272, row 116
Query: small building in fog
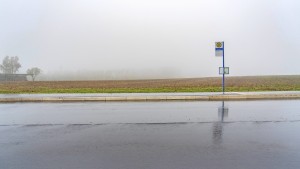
column 13, row 77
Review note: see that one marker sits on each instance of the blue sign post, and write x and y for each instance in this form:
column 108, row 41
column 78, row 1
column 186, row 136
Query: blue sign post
column 221, row 52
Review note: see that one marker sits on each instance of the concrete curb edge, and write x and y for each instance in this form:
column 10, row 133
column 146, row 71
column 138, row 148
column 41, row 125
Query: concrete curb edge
column 151, row 98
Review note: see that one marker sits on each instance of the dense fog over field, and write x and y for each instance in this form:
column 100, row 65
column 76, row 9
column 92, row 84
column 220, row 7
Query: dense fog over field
column 130, row 39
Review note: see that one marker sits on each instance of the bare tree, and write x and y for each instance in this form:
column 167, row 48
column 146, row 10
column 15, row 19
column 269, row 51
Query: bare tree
column 10, row 65
column 34, row 72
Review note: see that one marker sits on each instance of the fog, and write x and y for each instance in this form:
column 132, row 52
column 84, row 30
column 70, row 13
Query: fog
column 130, row 39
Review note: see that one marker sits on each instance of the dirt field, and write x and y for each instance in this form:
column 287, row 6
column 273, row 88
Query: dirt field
column 253, row 83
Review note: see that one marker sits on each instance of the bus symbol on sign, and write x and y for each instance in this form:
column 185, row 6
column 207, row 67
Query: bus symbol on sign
column 219, row 45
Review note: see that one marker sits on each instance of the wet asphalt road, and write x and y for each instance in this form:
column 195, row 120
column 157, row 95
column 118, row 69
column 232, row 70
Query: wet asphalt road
column 150, row 135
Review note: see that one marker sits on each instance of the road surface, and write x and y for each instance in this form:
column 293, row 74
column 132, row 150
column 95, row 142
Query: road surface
column 151, row 135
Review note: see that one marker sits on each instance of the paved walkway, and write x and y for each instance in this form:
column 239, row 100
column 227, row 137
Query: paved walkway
column 149, row 96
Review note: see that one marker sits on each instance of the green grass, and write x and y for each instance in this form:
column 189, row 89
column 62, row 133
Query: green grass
column 149, row 90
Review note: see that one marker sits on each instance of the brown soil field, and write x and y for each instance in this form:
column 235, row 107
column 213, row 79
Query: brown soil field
column 249, row 83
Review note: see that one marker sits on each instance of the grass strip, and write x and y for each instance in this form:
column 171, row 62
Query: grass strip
column 144, row 90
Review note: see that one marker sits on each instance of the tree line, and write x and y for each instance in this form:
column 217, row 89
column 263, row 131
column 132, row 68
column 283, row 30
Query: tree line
column 11, row 65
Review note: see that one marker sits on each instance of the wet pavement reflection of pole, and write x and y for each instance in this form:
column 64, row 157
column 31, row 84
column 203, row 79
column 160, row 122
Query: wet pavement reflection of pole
column 218, row 126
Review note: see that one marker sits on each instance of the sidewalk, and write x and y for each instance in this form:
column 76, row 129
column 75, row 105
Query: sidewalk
column 205, row 96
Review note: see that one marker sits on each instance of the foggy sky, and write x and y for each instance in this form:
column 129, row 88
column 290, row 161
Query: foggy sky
column 173, row 37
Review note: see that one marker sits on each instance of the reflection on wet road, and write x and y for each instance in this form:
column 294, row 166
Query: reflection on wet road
column 151, row 135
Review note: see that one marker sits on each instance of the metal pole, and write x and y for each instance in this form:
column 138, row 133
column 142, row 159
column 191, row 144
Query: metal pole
column 223, row 81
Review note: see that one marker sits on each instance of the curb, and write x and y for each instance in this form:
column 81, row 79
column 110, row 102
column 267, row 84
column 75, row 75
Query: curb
column 152, row 98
